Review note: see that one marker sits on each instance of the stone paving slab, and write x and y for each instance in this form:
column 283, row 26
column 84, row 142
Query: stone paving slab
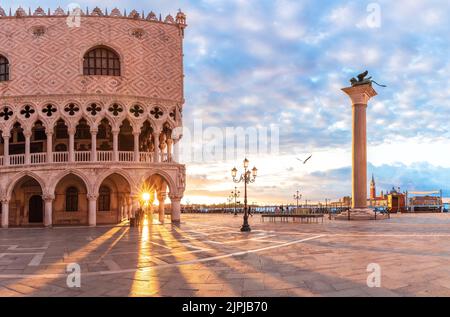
column 207, row 255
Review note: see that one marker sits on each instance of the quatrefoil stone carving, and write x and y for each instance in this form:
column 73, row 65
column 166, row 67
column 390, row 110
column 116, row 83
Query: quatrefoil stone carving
column 136, row 110
column 71, row 109
column 27, row 111
column 157, row 112
column 6, row 113
column 93, row 109
column 49, row 110
column 115, row 109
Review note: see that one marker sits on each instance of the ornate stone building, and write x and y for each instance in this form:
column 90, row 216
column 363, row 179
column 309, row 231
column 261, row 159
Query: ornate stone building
column 90, row 103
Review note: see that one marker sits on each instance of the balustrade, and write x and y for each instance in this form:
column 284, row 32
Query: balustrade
column 81, row 156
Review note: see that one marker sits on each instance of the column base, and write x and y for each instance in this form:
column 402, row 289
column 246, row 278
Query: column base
column 361, row 214
column 246, row 228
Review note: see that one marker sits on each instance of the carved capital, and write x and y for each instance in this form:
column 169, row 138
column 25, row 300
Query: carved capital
column 92, row 197
column 162, row 196
column 27, row 133
column 71, row 130
column 175, row 197
column 48, row 197
column 360, row 94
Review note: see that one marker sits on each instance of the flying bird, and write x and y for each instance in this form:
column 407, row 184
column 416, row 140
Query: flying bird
column 304, row 161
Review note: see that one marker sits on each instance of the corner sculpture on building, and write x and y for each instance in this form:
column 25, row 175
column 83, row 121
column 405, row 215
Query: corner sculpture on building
column 88, row 114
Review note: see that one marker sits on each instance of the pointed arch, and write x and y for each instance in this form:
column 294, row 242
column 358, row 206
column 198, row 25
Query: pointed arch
column 117, row 171
column 165, row 176
column 19, row 176
column 65, row 173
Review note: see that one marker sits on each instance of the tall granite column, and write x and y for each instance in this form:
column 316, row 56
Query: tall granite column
column 360, row 96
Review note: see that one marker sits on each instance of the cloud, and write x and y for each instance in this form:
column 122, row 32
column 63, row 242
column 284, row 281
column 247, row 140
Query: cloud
column 261, row 62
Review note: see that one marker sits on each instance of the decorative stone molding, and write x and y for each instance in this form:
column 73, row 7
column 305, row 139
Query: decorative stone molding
column 97, row 12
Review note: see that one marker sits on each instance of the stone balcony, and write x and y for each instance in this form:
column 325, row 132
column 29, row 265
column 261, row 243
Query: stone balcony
column 82, row 157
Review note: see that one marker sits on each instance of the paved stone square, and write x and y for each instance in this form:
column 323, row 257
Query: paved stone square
column 207, row 255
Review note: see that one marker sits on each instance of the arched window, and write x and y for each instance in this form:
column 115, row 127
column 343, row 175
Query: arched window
column 72, row 199
column 101, row 61
column 4, row 68
column 104, row 199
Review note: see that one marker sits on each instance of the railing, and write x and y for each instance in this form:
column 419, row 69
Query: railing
column 38, row 158
column 146, row 157
column 60, row 157
column 18, row 159
column 126, row 156
column 82, row 156
column 104, row 156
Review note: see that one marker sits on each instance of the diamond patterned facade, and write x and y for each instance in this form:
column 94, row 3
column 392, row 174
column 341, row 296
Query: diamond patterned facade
column 65, row 132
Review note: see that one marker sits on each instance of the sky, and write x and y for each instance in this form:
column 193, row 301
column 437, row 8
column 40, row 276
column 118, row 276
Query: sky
column 281, row 64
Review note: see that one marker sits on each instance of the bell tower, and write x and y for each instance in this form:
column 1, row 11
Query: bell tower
column 373, row 189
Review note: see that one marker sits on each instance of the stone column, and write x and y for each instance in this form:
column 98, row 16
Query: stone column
column 161, row 198
column 6, row 136
column 156, row 138
column 48, row 210
column 49, row 146
column 360, row 96
column 71, row 132
column 27, row 135
column 115, row 145
column 5, row 213
column 92, row 210
column 169, row 149
column 176, row 208
column 94, row 145
column 136, row 146
column 176, row 151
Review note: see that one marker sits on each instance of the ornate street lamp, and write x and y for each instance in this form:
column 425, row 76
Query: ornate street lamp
column 297, row 196
column 229, row 201
column 235, row 195
column 247, row 177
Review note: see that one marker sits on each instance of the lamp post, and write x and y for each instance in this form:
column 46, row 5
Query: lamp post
column 247, row 177
column 326, row 209
column 297, row 196
column 229, row 201
column 235, row 194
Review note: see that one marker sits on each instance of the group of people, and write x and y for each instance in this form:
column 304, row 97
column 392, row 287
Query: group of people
column 280, row 209
column 139, row 216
